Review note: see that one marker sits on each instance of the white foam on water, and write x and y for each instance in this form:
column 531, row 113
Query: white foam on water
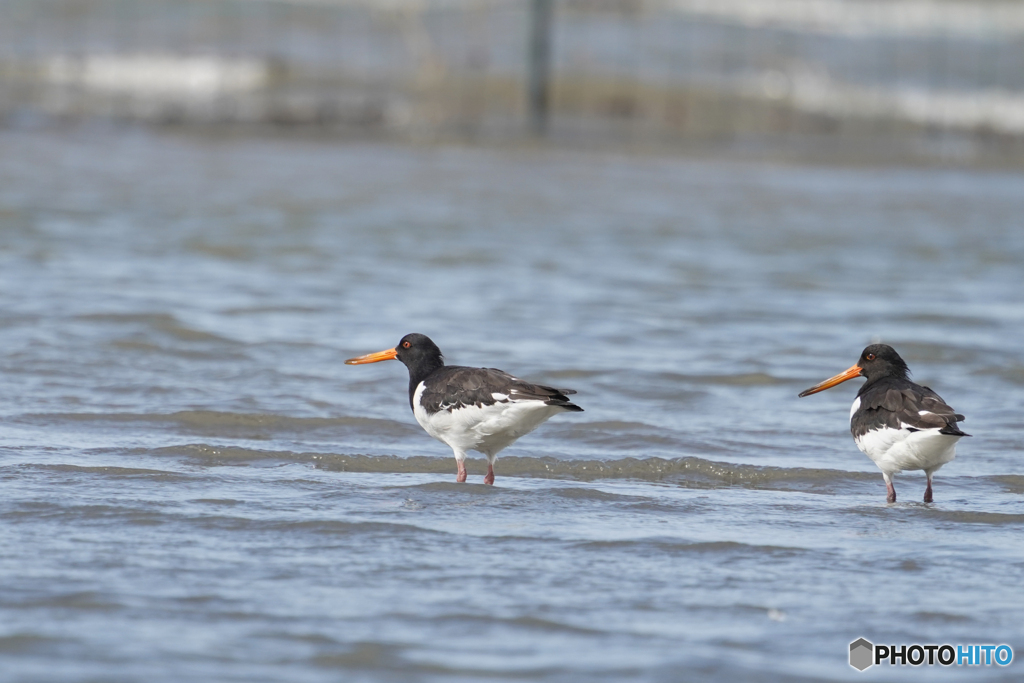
column 814, row 92
column 836, row 17
column 158, row 75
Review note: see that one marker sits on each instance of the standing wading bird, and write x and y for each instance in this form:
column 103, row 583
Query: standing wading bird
column 470, row 409
column 898, row 424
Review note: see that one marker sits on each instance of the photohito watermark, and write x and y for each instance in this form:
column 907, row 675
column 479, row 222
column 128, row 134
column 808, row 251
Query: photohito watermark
column 863, row 654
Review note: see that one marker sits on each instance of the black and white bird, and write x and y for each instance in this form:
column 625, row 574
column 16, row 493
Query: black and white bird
column 898, row 424
column 470, row 409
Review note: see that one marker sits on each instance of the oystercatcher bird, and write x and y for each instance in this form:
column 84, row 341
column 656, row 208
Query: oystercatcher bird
column 470, row 409
column 898, row 424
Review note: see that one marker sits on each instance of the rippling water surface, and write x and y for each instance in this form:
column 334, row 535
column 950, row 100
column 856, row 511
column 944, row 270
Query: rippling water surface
column 194, row 487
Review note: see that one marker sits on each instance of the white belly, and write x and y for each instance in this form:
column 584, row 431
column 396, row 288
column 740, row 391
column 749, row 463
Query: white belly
column 487, row 429
column 895, row 450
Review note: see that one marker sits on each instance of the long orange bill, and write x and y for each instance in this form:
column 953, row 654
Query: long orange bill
column 832, row 381
column 390, row 354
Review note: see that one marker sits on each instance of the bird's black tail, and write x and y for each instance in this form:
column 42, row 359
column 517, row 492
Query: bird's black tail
column 560, row 398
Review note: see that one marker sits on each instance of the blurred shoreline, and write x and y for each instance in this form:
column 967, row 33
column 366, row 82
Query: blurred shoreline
column 812, row 80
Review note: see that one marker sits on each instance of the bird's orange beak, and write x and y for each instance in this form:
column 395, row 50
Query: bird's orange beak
column 390, row 354
column 855, row 371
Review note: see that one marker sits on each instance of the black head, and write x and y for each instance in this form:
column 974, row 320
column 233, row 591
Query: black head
column 416, row 351
column 881, row 360
column 876, row 361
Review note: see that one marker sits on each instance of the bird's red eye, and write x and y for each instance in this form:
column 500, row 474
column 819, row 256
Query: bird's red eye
column 870, row 356
column 405, row 345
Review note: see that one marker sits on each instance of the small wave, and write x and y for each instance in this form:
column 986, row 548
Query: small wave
column 228, row 424
column 208, row 420
column 325, row 527
column 1012, row 483
column 614, row 433
column 210, row 455
column 364, row 655
column 674, row 545
column 283, row 308
column 527, row 622
column 150, row 319
column 21, row 643
column 656, row 469
column 470, row 488
column 739, row 379
column 158, row 322
column 933, row 513
column 975, row 517
column 575, row 373
column 619, row 426
column 136, row 345
column 305, row 638
column 942, row 617
column 183, row 332
column 119, row 515
column 227, row 252
column 113, row 471
column 465, row 258
column 580, row 494
column 949, row 320
column 78, row 600
column 743, row 379
column 1012, row 373
column 691, row 470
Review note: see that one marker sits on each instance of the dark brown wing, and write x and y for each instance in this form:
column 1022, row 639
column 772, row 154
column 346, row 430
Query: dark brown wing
column 905, row 407
column 454, row 387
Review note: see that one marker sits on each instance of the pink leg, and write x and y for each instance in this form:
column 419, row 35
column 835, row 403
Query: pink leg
column 462, row 471
column 890, row 490
column 489, row 479
column 928, row 490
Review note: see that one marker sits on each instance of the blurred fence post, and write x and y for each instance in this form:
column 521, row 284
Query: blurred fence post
column 539, row 66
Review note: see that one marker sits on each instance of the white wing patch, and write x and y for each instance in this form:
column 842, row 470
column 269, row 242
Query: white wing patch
column 855, row 407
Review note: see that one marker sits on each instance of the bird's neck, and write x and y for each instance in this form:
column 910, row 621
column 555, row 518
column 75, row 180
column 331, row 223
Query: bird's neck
column 890, row 378
column 421, row 371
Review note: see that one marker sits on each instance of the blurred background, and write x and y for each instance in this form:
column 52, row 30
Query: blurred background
column 854, row 79
column 686, row 210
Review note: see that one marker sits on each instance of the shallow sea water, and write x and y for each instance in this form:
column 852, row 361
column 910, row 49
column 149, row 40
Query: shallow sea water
column 194, row 487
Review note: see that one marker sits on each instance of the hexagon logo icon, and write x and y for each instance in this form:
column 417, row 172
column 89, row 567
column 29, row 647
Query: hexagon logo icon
column 862, row 654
